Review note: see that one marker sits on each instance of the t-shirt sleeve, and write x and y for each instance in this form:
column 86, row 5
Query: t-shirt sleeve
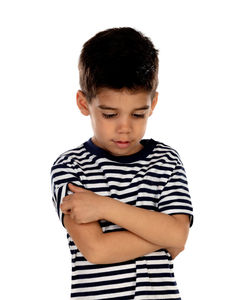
column 175, row 197
column 61, row 175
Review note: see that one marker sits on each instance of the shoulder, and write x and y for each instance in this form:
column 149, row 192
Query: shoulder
column 166, row 152
column 71, row 157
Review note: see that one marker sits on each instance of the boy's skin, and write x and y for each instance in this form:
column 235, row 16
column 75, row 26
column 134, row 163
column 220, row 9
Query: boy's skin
column 119, row 120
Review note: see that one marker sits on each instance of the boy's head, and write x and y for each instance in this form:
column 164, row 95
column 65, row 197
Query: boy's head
column 118, row 58
column 118, row 78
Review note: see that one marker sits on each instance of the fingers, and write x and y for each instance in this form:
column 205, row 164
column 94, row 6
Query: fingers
column 75, row 188
column 66, row 205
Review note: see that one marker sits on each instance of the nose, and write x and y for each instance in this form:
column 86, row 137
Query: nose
column 124, row 125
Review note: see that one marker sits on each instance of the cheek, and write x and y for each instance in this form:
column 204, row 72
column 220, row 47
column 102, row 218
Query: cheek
column 142, row 128
column 103, row 127
column 97, row 121
column 142, row 125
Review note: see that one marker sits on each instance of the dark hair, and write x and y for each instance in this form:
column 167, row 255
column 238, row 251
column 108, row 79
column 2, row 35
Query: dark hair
column 118, row 58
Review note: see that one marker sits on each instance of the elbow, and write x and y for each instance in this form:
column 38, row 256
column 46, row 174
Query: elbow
column 96, row 259
column 90, row 254
column 174, row 252
column 93, row 258
column 178, row 240
column 95, row 255
column 179, row 244
column 174, row 243
column 181, row 241
column 180, row 235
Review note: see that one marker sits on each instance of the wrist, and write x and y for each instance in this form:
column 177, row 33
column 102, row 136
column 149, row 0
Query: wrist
column 107, row 206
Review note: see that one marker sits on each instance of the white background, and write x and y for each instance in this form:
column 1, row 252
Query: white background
column 202, row 112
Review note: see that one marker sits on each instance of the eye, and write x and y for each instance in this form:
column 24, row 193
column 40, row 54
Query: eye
column 108, row 116
column 139, row 115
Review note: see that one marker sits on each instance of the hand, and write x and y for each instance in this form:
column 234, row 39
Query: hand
column 83, row 205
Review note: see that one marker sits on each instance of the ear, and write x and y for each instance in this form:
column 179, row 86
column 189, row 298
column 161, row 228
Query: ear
column 82, row 103
column 154, row 102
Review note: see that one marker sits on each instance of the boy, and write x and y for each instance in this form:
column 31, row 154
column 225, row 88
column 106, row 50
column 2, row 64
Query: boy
column 124, row 200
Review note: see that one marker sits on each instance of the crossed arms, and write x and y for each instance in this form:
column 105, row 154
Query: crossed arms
column 147, row 231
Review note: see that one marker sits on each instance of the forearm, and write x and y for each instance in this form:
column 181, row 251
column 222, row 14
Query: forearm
column 155, row 227
column 146, row 228
column 106, row 248
column 122, row 246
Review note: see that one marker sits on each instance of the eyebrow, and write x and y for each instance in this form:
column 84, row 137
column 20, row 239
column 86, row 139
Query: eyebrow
column 113, row 108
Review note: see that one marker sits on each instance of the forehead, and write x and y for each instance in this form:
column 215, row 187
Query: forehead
column 121, row 98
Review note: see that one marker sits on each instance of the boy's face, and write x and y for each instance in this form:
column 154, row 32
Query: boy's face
column 119, row 118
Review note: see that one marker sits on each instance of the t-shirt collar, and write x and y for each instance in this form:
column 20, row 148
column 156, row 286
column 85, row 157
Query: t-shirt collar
column 148, row 146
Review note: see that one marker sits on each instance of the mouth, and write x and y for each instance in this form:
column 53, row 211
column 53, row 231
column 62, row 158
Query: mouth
column 122, row 144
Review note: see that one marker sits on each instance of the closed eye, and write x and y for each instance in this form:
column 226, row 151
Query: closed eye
column 139, row 115
column 108, row 116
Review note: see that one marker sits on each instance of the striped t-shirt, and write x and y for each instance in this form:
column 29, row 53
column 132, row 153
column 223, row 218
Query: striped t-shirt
column 154, row 179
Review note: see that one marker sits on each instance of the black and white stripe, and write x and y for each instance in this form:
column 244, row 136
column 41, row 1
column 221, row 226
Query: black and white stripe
column 154, row 179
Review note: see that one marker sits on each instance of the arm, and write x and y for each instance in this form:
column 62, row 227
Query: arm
column 106, row 248
column 89, row 237
column 175, row 251
column 156, row 227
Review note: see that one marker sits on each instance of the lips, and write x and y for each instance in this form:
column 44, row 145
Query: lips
column 122, row 144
